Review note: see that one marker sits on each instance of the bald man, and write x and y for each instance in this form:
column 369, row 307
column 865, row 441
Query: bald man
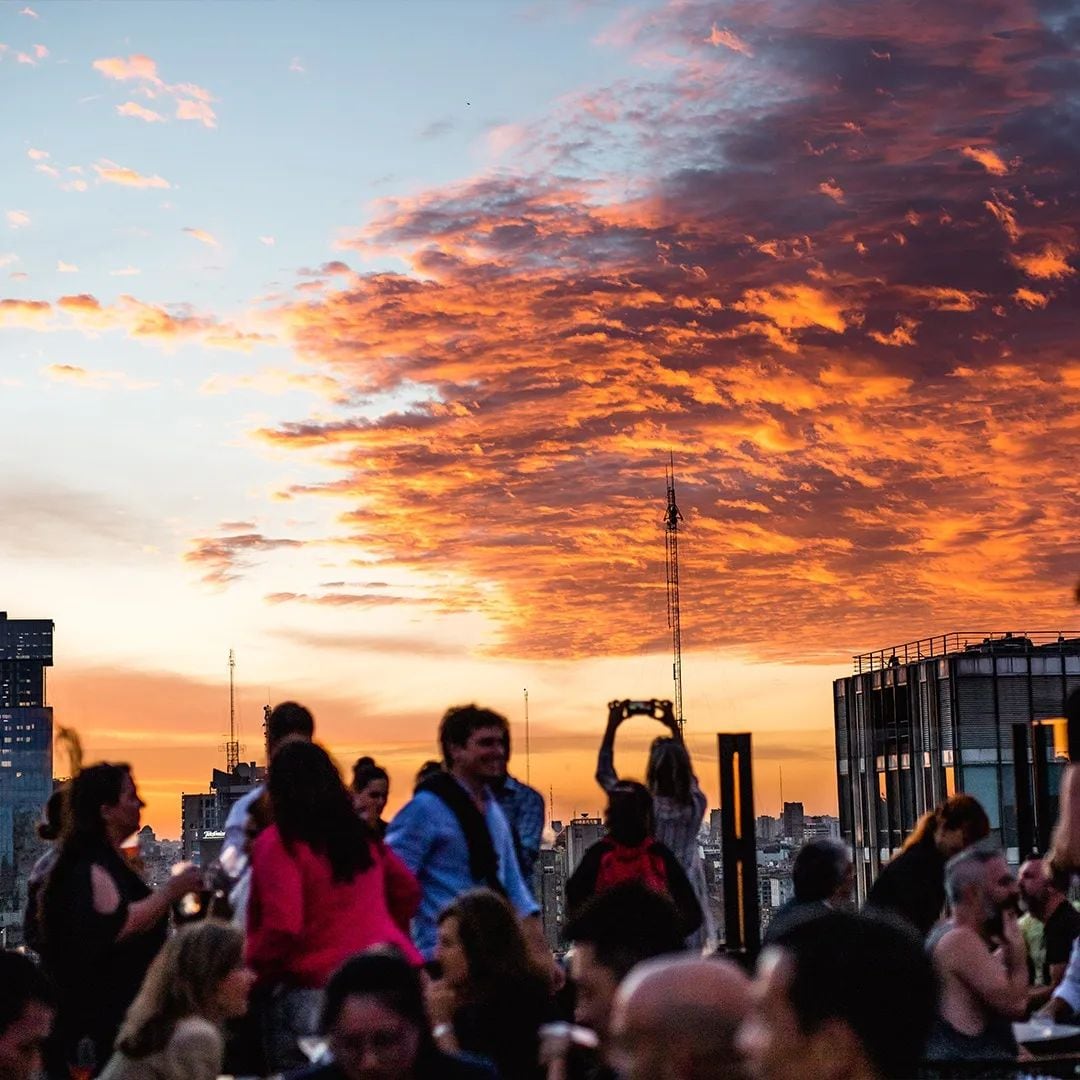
column 675, row 1018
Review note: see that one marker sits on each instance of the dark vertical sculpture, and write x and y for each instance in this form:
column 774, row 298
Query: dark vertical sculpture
column 742, row 923
column 1025, row 815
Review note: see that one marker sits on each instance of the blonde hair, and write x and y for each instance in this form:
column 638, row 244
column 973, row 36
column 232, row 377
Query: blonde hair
column 180, row 983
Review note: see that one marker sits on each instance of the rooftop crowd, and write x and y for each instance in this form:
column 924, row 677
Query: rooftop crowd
column 331, row 945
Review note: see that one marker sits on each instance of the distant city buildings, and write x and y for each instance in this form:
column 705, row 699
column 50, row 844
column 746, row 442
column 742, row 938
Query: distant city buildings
column 26, row 760
column 203, row 815
column 920, row 721
column 793, row 819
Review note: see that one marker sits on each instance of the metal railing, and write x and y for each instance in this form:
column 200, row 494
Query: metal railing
column 996, row 641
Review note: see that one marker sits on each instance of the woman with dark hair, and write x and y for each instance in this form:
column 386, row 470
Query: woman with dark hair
column 630, row 852
column 100, row 924
column 913, row 883
column 376, row 1026
column 370, row 791
column 49, row 830
column 679, row 804
column 318, row 895
column 174, row 1029
column 490, row 999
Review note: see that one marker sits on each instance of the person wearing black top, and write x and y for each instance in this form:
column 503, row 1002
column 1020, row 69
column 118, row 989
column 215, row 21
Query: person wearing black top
column 489, row 1000
column 630, row 853
column 375, row 1024
column 100, row 924
column 1045, row 895
column 912, row 885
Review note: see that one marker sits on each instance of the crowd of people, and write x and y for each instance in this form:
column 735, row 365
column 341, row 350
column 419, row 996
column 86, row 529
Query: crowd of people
column 330, row 944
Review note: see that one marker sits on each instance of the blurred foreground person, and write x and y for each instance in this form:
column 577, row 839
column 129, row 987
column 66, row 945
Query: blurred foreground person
column 27, row 1010
column 490, row 999
column 318, row 895
column 101, row 925
column 679, row 804
column 677, row 1019
column 981, row 960
column 611, row 934
column 630, row 852
column 841, row 997
column 524, row 810
column 376, row 1028
column 174, row 1029
column 50, row 830
column 912, row 885
column 823, row 879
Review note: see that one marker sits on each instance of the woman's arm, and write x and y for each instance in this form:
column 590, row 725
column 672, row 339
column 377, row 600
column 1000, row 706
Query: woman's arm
column 144, row 914
column 606, row 776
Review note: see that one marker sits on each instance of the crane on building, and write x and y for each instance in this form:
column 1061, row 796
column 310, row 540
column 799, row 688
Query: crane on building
column 672, row 517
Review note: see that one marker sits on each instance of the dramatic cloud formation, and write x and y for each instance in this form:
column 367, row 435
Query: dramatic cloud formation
column 221, row 558
column 833, row 269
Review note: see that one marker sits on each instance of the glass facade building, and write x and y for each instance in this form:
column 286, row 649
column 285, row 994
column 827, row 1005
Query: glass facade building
column 26, row 758
column 920, row 721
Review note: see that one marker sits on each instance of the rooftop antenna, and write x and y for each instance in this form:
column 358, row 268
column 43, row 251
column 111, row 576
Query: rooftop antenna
column 671, row 548
column 551, row 802
column 232, row 747
column 528, row 755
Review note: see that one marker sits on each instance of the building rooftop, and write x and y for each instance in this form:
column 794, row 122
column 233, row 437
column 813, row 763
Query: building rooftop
column 968, row 641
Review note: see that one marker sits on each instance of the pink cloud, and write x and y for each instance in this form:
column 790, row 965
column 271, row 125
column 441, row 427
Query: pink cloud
column 729, row 39
column 202, row 236
column 131, row 108
column 17, row 219
column 111, row 173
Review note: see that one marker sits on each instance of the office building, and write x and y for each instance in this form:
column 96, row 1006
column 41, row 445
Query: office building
column 26, row 733
column 551, row 892
column 203, row 815
column 581, row 833
column 793, row 822
column 922, row 720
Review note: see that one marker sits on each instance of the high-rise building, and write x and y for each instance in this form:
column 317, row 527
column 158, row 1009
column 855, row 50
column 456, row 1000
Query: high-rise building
column 203, row 816
column 920, row 721
column 793, row 822
column 551, row 892
column 766, row 828
column 26, row 724
column 581, row 833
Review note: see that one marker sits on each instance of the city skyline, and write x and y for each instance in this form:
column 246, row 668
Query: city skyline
column 356, row 338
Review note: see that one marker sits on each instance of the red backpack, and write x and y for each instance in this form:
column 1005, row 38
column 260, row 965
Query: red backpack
column 621, row 863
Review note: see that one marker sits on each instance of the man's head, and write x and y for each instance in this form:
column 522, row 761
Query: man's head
column 288, row 721
column 473, row 742
column 823, row 871
column 612, row 933
column 979, row 884
column 27, row 1009
column 842, row 996
column 676, row 1019
column 1042, row 889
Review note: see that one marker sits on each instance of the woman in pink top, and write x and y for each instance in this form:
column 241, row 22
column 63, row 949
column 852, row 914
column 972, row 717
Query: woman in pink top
column 318, row 896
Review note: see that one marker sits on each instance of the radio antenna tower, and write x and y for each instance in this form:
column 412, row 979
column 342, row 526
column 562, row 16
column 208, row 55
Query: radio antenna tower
column 671, row 548
column 528, row 749
column 232, row 747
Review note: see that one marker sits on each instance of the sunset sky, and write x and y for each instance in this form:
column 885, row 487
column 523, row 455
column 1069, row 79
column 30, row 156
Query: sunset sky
column 355, row 337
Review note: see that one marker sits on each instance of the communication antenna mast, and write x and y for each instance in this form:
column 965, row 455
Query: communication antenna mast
column 232, row 747
column 671, row 548
column 528, row 756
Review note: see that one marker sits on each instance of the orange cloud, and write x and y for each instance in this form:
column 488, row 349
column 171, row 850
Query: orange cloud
column 729, row 39
column 73, row 373
column 832, row 190
column 30, row 313
column 202, row 236
column 18, row 219
column 1048, row 263
column 37, row 155
column 987, row 158
column 111, row 173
